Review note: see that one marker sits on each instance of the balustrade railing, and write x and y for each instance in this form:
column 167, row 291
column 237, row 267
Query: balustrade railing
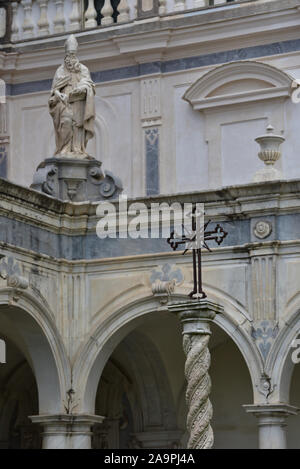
column 37, row 18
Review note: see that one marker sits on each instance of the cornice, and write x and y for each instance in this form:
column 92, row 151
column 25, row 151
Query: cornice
column 168, row 37
column 229, row 203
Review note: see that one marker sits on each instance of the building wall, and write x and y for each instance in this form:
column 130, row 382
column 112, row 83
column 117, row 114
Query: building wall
column 145, row 132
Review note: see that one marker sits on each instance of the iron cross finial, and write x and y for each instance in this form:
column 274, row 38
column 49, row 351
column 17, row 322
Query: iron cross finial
column 195, row 240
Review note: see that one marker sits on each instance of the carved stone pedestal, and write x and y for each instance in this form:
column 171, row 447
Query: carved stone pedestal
column 272, row 423
column 77, row 180
column 66, row 431
column 195, row 317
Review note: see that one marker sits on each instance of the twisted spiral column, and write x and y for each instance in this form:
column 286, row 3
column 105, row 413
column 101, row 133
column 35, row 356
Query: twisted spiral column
column 198, row 389
column 195, row 318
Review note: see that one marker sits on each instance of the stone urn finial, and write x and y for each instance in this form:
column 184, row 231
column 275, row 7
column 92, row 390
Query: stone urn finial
column 269, row 153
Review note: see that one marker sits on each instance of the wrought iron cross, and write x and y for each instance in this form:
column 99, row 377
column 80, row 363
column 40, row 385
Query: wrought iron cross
column 195, row 240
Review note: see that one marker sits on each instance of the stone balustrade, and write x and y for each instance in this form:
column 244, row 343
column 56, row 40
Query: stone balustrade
column 37, row 18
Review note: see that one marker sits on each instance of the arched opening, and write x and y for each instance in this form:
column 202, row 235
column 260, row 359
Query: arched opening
column 141, row 390
column 31, row 331
column 18, row 400
column 293, row 421
column 231, row 389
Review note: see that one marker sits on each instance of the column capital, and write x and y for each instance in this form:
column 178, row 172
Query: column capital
column 272, row 423
column 67, row 419
column 195, row 315
column 275, row 410
column 67, row 431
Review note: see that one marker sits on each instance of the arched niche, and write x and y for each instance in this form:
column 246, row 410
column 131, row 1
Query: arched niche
column 238, row 101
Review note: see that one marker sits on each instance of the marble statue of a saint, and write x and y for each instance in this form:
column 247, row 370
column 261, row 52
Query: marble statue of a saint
column 71, row 105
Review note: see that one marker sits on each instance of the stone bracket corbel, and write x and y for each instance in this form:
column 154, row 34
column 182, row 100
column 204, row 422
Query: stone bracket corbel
column 10, row 270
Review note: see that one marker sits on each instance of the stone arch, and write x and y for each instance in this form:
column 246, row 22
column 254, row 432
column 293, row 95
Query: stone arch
column 27, row 323
column 279, row 363
column 94, row 354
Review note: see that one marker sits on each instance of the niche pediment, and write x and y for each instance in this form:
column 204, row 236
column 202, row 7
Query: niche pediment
column 236, row 83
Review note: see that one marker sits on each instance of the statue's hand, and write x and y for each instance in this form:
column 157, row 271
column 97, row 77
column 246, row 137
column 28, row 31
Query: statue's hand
column 61, row 96
column 79, row 90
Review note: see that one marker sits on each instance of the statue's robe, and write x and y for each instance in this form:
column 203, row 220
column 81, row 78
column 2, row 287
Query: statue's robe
column 74, row 120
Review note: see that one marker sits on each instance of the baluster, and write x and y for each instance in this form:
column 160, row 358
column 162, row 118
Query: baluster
column 123, row 10
column 59, row 20
column 90, row 15
column 28, row 28
column 75, row 16
column 43, row 23
column 162, row 7
column 179, row 5
column 15, row 24
column 107, row 12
